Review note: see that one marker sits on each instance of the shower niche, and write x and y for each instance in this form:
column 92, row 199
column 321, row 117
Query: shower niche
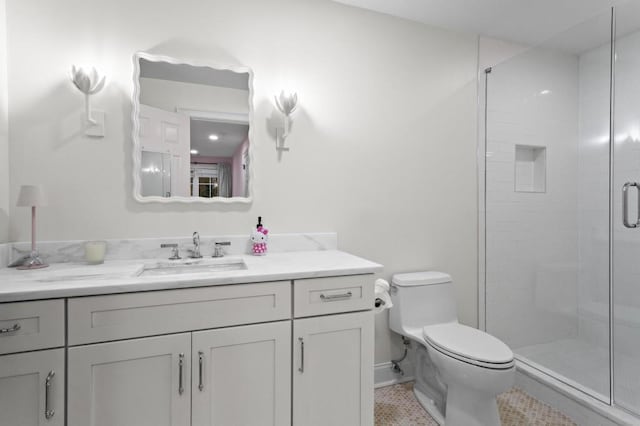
column 530, row 168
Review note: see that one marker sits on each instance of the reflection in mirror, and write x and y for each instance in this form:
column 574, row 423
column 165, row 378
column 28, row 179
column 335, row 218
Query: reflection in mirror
column 156, row 174
column 192, row 140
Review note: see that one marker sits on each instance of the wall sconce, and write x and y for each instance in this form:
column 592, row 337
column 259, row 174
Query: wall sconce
column 90, row 83
column 287, row 104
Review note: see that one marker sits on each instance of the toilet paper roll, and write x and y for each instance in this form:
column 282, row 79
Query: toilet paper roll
column 381, row 295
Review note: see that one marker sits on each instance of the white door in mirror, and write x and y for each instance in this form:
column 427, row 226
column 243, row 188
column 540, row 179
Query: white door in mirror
column 166, row 133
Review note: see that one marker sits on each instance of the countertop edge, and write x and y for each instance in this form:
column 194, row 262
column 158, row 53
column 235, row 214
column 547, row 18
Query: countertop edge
column 106, row 288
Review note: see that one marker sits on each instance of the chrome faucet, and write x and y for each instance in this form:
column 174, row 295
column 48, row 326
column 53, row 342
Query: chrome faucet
column 218, row 248
column 195, row 253
column 175, row 255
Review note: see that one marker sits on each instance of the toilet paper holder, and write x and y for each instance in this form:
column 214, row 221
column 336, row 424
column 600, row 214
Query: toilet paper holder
column 382, row 300
column 379, row 302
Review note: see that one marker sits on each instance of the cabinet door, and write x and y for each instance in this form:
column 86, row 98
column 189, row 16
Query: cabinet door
column 242, row 375
column 333, row 370
column 25, row 398
column 141, row 382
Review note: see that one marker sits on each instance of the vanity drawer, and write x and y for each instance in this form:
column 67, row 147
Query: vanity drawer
column 27, row 326
column 123, row 316
column 321, row 296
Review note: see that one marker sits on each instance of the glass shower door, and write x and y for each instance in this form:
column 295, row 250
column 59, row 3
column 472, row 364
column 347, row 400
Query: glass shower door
column 547, row 205
column 626, row 210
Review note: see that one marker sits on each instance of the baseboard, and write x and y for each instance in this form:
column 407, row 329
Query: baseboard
column 385, row 376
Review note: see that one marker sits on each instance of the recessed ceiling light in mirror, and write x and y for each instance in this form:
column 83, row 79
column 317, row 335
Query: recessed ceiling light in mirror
column 194, row 151
column 213, row 137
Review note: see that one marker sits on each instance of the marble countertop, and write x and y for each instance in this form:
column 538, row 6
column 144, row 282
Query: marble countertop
column 121, row 276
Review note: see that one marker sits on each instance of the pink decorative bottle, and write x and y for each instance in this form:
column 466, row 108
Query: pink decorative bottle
column 259, row 239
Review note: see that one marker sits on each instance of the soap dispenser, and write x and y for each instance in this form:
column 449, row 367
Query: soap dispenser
column 259, row 239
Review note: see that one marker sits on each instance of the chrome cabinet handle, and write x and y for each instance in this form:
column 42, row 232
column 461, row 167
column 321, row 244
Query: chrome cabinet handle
column 48, row 411
column 331, row 297
column 15, row 327
column 301, row 368
column 180, row 373
column 625, row 204
column 200, row 369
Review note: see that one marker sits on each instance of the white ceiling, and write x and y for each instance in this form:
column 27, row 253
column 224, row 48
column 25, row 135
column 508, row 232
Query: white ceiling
column 231, row 135
column 522, row 21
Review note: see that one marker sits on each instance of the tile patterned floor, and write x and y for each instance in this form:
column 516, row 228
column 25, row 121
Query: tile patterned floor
column 396, row 406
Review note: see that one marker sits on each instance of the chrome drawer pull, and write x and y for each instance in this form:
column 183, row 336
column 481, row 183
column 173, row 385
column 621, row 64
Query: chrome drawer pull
column 200, row 368
column 180, row 373
column 301, row 368
column 48, row 412
column 15, row 327
column 331, row 297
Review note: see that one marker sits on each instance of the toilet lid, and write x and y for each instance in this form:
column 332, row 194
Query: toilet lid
column 468, row 343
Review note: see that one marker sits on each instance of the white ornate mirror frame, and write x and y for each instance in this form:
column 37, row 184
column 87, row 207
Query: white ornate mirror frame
column 137, row 152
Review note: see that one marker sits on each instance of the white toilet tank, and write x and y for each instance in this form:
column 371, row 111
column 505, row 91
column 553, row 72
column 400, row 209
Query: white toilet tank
column 421, row 299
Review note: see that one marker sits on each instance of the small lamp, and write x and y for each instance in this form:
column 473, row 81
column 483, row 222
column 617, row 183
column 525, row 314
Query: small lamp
column 32, row 196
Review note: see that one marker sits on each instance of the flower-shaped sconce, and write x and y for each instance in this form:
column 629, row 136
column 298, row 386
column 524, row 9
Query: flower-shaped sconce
column 287, row 104
column 90, row 83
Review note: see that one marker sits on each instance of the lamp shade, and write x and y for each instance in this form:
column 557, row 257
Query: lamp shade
column 31, row 195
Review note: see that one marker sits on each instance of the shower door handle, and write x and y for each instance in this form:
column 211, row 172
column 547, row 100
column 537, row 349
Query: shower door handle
column 625, row 205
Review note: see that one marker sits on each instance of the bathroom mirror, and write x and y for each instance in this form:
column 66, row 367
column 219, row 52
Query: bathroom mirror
column 191, row 131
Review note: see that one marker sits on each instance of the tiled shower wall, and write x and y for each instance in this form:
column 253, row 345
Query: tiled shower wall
column 532, row 237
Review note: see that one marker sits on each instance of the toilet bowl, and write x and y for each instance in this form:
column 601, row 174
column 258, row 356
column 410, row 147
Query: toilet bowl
column 460, row 370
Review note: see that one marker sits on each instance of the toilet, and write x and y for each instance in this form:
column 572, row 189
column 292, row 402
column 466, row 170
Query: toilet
column 459, row 370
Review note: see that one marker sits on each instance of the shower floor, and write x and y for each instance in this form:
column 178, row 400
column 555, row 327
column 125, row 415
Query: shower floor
column 573, row 361
column 583, row 365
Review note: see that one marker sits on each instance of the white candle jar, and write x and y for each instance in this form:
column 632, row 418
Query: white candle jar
column 94, row 252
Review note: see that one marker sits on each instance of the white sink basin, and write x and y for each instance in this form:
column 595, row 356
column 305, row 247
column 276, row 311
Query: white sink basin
column 192, row 266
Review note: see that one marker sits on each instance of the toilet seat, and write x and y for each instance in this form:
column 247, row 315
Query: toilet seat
column 469, row 345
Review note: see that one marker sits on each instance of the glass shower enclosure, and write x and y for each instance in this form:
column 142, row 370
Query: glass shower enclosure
column 560, row 205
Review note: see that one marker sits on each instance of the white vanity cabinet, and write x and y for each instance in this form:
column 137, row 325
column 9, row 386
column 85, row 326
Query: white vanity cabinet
column 229, row 376
column 32, row 388
column 193, row 377
column 333, row 353
column 333, row 370
column 142, row 382
column 242, row 375
column 253, row 354
column 32, row 379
